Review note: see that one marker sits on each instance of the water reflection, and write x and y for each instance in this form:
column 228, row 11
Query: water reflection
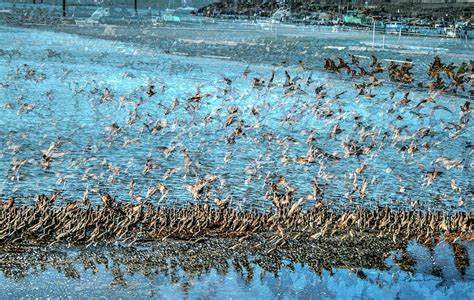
column 224, row 268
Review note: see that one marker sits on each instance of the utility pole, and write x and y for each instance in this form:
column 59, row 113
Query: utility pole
column 64, row 8
column 136, row 7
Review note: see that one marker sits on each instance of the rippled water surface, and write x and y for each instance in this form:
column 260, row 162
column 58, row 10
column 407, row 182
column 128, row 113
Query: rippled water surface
column 70, row 91
column 114, row 272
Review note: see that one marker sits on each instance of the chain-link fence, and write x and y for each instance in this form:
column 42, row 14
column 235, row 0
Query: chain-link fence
column 127, row 3
column 102, row 8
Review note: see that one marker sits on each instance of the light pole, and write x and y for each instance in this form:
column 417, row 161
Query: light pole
column 373, row 34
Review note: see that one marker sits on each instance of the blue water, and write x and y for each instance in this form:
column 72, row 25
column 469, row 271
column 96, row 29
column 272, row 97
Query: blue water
column 71, row 278
column 67, row 108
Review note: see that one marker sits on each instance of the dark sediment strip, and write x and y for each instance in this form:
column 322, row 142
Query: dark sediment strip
column 123, row 222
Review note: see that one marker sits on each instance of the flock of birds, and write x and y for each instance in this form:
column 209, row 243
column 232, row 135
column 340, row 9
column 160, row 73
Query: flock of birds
column 447, row 77
column 191, row 147
column 114, row 221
